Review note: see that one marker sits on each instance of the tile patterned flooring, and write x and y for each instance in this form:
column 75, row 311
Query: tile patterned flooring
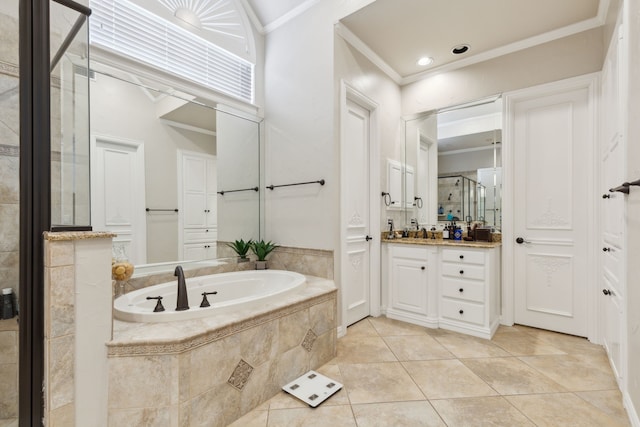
column 397, row 374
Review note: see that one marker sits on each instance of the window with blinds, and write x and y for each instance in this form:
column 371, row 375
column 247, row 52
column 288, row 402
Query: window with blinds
column 127, row 29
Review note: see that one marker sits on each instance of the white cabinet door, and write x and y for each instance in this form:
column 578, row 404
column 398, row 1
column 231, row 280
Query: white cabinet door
column 211, row 214
column 198, row 251
column 612, row 209
column 394, row 183
column 410, row 285
column 194, row 172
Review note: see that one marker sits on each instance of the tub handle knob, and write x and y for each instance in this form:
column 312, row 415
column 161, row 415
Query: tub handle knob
column 159, row 306
column 205, row 302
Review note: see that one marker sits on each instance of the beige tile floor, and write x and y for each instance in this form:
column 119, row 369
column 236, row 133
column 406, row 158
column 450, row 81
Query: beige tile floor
column 397, row 374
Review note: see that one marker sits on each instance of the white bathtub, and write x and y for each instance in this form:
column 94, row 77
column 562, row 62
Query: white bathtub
column 234, row 290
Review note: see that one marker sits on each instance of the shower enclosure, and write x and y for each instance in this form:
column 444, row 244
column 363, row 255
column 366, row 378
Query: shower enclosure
column 53, row 170
column 461, row 199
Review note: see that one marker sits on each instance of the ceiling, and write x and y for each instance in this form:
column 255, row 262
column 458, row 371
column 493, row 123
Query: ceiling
column 399, row 32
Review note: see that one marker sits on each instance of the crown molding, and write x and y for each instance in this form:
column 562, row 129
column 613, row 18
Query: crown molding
column 369, row 53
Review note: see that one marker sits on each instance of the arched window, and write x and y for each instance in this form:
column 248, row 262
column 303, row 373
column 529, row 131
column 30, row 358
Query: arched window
column 181, row 37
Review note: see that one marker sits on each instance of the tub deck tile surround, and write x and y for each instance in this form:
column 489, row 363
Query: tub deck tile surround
column 198, row 358
column 71, row 277
column 132, row 338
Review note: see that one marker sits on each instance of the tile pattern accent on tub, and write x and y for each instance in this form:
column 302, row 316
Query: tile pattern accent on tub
column 9, row 69
column 240, row 375
column 308, row 341
column 215, row 383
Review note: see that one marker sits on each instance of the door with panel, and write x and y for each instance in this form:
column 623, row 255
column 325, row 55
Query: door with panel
column 118, row 193
column 356, row 272
column 552, row 143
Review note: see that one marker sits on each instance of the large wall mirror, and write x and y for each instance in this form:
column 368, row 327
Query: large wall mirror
column 453, row 165
column 173, row 176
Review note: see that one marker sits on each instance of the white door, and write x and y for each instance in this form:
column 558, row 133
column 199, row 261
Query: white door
column 118, row 193
column 199, row 191
column 356, row 201
column 552, row 143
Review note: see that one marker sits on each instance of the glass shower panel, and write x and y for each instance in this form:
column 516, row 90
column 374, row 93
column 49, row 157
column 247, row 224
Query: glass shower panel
column 70, row 186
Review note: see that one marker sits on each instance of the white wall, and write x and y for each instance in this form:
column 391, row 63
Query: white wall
column 469, row 161
column 238, row 168
column 571, row 56
column 123, row 110
column 299, row 125
column 362, row 75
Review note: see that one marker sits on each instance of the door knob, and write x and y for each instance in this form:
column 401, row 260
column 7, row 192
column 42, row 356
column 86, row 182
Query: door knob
column 606, row 291
column 606, row 196
column 368, row 238
column 521, row 240
column 606, row 250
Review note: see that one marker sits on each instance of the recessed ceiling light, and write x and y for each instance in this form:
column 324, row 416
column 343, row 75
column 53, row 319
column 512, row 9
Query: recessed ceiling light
column 460, row 49
column 424, row 61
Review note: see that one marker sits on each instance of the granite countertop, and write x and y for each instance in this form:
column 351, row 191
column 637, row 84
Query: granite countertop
column 441, row 242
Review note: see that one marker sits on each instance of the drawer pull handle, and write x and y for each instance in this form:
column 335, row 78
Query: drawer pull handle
column 461, row 256
column 461, row 312
column 461, row 290
column 461, row 271
column 422, row 268
column 606, row 249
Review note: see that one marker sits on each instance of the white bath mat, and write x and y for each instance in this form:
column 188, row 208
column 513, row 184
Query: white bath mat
column 312, row 388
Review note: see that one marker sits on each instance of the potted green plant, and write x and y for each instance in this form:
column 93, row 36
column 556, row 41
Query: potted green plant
column 241, row 248
column 261, row 249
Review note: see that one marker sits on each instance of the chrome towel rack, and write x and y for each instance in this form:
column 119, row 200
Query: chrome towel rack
column 222, row 193
column 321, row 182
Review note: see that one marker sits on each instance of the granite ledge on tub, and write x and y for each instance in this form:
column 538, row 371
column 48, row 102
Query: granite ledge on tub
column 61, row 236
column 441, row 242
column 135, row 338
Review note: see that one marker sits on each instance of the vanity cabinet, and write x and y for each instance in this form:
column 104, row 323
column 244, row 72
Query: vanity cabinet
column 455, row 288
column 413, row 295
column 470, row 290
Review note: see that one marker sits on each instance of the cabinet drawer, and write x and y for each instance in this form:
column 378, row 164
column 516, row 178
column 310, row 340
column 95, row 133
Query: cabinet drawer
column 463, row 256
column 463, row 311
column 463, row 271
column 200, row 235
column 463, row 289
column 411, row 252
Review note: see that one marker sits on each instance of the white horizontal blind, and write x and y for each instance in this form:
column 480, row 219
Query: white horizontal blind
column 130, row 30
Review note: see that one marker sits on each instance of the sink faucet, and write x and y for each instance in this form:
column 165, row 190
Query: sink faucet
column 182, row 301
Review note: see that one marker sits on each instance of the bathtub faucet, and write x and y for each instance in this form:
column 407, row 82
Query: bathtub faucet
column 182, row 300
